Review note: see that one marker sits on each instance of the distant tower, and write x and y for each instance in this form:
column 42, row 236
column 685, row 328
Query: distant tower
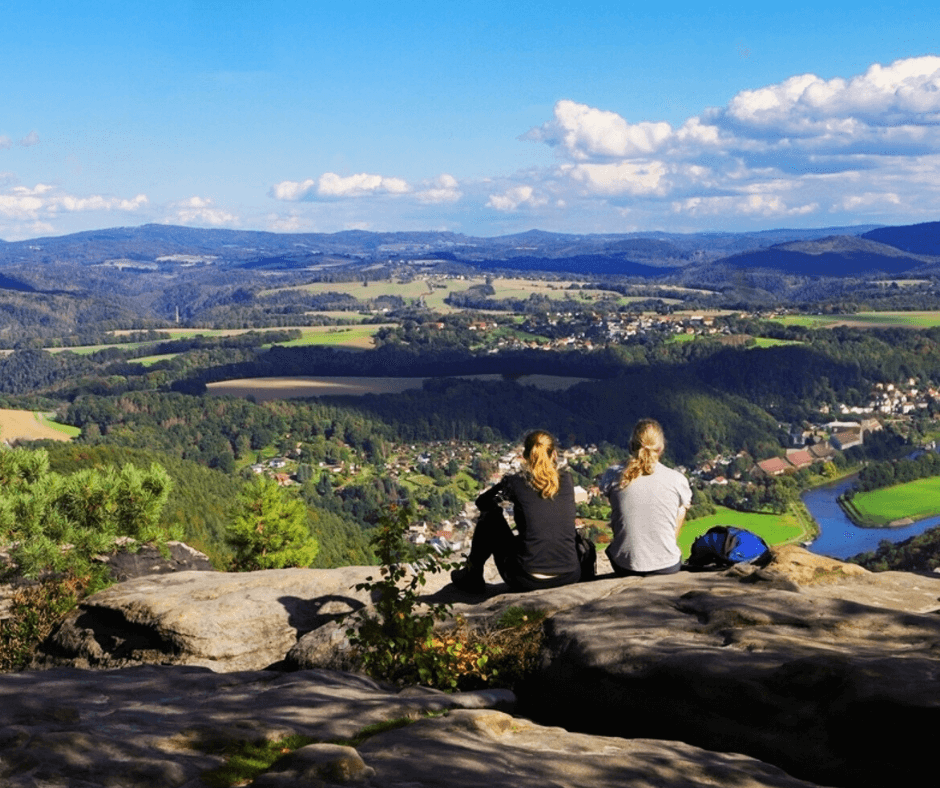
column 177, row 315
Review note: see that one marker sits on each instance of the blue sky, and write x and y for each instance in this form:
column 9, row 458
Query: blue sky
column 478, row 117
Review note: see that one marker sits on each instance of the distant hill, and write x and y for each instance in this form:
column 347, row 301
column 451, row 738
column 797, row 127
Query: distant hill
column 593, row 253
column 914, row 238
column 837, row 256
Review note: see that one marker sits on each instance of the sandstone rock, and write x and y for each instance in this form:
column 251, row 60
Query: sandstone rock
column 825, row 670
column 224, row 621
column 829, row 689
column 468, row 749
column 148, row 560
column 164, row 726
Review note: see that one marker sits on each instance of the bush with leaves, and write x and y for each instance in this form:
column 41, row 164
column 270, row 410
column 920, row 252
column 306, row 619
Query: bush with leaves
column 53, row 525
column 57, row 523
column 270, row 528
column 396, row 641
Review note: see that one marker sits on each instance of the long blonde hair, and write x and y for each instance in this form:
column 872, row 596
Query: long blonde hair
column 540, row 455
column 646, row 446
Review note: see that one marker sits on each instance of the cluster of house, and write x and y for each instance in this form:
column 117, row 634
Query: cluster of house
column 893, row 399
column 817, row 444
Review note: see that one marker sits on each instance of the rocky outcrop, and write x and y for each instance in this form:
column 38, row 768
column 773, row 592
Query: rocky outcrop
column 223, row 621
column 818, row 667
column 164, row 727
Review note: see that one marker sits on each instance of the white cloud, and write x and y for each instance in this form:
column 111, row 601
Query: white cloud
column 907, row 92
column 624, row 177
column 330, row 185
column 5, row 142
column 333, row 185
column 443, row 189
column 200, row 210
column 584, row 132
column 29, row 140
column 512, row 199
column 866, row 145
column 46, row 201
column 764, row 205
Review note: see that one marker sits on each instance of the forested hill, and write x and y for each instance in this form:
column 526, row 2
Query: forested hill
column 621, row 254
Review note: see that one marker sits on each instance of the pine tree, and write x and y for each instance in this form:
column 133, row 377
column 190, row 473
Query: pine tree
column 269, row 529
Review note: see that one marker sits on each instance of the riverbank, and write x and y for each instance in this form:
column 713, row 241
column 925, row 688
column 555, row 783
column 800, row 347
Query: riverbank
column 895, row 506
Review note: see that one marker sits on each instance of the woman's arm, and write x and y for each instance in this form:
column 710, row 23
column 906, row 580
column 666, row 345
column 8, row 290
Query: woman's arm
column 490, row 499
column 680, row 519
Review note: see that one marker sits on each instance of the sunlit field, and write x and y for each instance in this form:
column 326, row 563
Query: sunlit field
column 28, row 425
column 911, row 501
column 865, row 320
column 266, row 389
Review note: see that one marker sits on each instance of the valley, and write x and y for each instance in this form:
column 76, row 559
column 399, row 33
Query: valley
column 344, row 354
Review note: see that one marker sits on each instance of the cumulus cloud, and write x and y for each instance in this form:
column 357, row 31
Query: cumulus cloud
column 29, row 140
column 200, row 210
column 443, row 189
column 44, row 201
column 584, row 132
column 764, row 205
column 623, row 177
column 868, row 144
column 330, row 185
column 514, row 198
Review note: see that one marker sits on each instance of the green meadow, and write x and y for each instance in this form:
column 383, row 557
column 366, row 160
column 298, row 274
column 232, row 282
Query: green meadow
column 865, row 320
column 435, row 289
column 914, row 500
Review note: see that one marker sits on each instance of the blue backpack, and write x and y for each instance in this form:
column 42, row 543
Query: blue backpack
column 724, row 545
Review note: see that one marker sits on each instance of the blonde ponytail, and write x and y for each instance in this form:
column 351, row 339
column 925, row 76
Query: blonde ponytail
column 646, row 447
column 541, row 471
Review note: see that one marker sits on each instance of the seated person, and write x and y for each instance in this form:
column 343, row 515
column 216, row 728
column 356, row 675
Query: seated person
column 648, row 502
column 542, row 554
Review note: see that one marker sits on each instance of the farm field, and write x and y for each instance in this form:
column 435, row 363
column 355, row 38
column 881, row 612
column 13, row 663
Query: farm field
column 900, row 504
column 929, row 319
column 435, row 290
column 31, row 426
column 353, row 336
column 266, row 389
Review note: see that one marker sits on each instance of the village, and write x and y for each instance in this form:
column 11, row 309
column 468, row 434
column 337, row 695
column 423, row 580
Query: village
column 472, row 467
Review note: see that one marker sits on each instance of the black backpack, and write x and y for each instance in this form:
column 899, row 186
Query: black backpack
column 725, row 545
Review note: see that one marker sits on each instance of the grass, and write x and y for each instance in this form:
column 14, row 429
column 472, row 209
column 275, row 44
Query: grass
column 336, row 336
column 929, row 319
column 435, row 289
column 67, row 429
column 913, row 500
column 770, row 342
column 149, row 361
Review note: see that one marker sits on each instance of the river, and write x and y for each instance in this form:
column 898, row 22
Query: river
column 839, row 537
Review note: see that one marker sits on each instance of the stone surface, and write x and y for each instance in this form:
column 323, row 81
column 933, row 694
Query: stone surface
column 164, row 726
column 224, row 621
column 148, row 560
column 830, row 689
column 821, row 668
column 468, row 749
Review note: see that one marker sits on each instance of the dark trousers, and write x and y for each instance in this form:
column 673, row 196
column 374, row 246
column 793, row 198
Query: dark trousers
column 621, row 572
column 493, row 537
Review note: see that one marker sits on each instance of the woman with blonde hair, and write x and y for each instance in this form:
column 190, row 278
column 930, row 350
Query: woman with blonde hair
column 648, row 502
column 542, row 552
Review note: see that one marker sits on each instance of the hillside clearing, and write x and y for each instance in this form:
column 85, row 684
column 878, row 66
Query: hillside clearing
column 30, row 426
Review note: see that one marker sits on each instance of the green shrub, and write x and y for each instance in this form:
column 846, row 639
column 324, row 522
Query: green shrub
column 396, row 643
